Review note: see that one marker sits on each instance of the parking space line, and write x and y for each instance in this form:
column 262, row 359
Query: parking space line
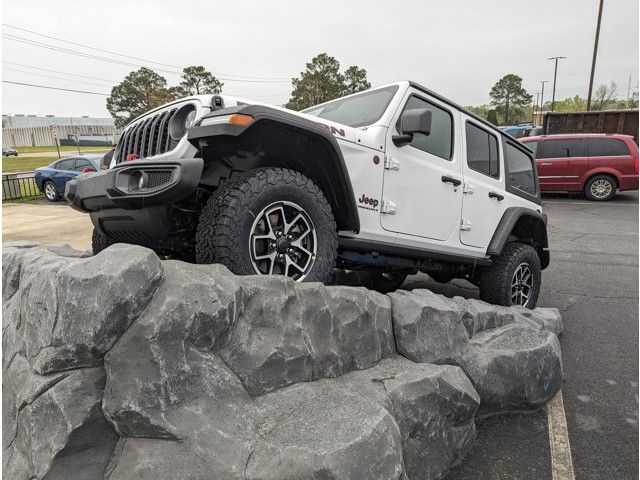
column 561, row 462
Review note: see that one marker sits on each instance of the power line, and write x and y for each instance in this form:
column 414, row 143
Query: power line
column 223, row 76
column 58, row 71
column 54, row 88
column 55, row 76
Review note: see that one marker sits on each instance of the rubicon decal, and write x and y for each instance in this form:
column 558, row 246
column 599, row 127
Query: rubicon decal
column 334, row 130
column 368, row 203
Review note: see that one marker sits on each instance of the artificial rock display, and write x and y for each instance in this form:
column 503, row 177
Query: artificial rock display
column 120, row 366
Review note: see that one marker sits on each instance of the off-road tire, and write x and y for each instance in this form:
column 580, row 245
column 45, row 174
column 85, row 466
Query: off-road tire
column 225, row 224
column 382, row 282
column 495, row 281
column 99, row 242
column 601, row 178
column 50, row 185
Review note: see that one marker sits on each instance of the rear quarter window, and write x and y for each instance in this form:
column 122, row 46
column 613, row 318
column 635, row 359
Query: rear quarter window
column 520, row 170
column 607, row 147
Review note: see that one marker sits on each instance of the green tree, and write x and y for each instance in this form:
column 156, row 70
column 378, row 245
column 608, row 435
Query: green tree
column 509, row 98
column 571, row 104
column 196, row 80
column 355, row 80
column 138, row 93
column 322, row 81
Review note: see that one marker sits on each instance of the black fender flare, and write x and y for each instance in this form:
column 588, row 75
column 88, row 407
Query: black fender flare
column 536, row 224
column 331, row 174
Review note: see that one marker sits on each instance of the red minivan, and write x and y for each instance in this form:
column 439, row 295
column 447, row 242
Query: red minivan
column 593, row 163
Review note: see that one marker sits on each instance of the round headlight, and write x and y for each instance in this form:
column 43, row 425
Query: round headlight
column 189, row 121
column 182, row 120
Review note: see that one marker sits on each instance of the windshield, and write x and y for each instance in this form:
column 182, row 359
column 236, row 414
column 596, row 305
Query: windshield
column 356, row 111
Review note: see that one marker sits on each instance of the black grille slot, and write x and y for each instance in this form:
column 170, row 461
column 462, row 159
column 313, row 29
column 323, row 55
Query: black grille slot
column 148, row 137
column 157, row 178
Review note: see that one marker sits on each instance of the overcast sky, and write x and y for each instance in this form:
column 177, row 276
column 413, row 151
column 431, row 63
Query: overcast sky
column 457, row 48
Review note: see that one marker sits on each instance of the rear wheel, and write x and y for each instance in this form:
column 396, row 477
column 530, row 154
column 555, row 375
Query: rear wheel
column 270, row 221
column 601, row 188
column 51, row 192
column 514, row 278
column 382, row 282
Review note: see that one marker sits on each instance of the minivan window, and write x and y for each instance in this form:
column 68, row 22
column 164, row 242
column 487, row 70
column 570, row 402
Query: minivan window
column 482, row 151
column 533, row 146
column 607, row 147
column 561, row 149
column 439, row 142
column 520, row 170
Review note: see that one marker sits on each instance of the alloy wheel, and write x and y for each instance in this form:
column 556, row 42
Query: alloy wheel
column 50, row 191
column 283, row 241
column 521, row 285
column 601, row 188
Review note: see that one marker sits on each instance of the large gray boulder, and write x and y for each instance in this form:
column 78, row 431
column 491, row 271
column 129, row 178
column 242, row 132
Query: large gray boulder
column 514, row 367
column 289, row 332
column 55, row 426
column 320, row 430
column 428, row 327
column 74, row 309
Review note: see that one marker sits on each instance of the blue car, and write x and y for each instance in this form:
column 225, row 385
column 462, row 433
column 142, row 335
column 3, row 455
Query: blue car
column 52, row 179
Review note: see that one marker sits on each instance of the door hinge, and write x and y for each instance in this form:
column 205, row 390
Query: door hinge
column 467, row 188
column 391, row 163
column 388, row 207
column 465, row 224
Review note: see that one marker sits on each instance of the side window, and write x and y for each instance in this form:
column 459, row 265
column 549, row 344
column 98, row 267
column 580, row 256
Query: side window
column 561, row 149
column 482, row 151
column 607, row 147
column 440, row 141
column 81, row 164
column 520, row 167
column 66, row 164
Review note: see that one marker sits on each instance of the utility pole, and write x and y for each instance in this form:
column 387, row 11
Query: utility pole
column 535, row 104
column 555, row 74
column 595, row 53
column 542, row 95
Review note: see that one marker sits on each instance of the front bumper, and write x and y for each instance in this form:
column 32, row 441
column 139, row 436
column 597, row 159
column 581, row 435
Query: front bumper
column 132, row 201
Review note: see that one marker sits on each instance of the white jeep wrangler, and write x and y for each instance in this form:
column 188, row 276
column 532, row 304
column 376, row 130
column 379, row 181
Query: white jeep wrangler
column 387, row 182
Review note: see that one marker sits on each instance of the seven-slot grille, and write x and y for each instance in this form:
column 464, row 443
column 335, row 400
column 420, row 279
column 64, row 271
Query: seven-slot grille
column 148, row 137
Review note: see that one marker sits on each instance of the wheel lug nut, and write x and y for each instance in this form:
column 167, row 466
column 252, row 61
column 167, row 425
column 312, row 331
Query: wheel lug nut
column 289, row 237
column 281, row 256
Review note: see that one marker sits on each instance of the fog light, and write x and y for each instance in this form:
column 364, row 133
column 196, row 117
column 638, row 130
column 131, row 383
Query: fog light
column 138, row 180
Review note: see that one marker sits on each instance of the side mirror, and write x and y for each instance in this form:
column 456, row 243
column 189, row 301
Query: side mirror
column 413, row 121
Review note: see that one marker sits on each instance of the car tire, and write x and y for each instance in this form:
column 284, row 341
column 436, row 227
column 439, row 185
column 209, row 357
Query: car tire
column 382, row 282
column 100, row 241
column 506, row 281
column 269, row 221
column 601, row 188
column 51, row 193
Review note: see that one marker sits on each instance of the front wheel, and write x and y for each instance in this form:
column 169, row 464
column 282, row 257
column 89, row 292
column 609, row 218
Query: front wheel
column 514, row 278
column 270, row 221
column 51, row 192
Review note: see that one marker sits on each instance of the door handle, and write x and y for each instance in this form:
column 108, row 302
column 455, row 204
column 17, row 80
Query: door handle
column 497, row 196
column 545, row 164
column 454, row 181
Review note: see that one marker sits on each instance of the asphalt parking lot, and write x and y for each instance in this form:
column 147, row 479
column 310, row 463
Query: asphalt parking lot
column 593, row 279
